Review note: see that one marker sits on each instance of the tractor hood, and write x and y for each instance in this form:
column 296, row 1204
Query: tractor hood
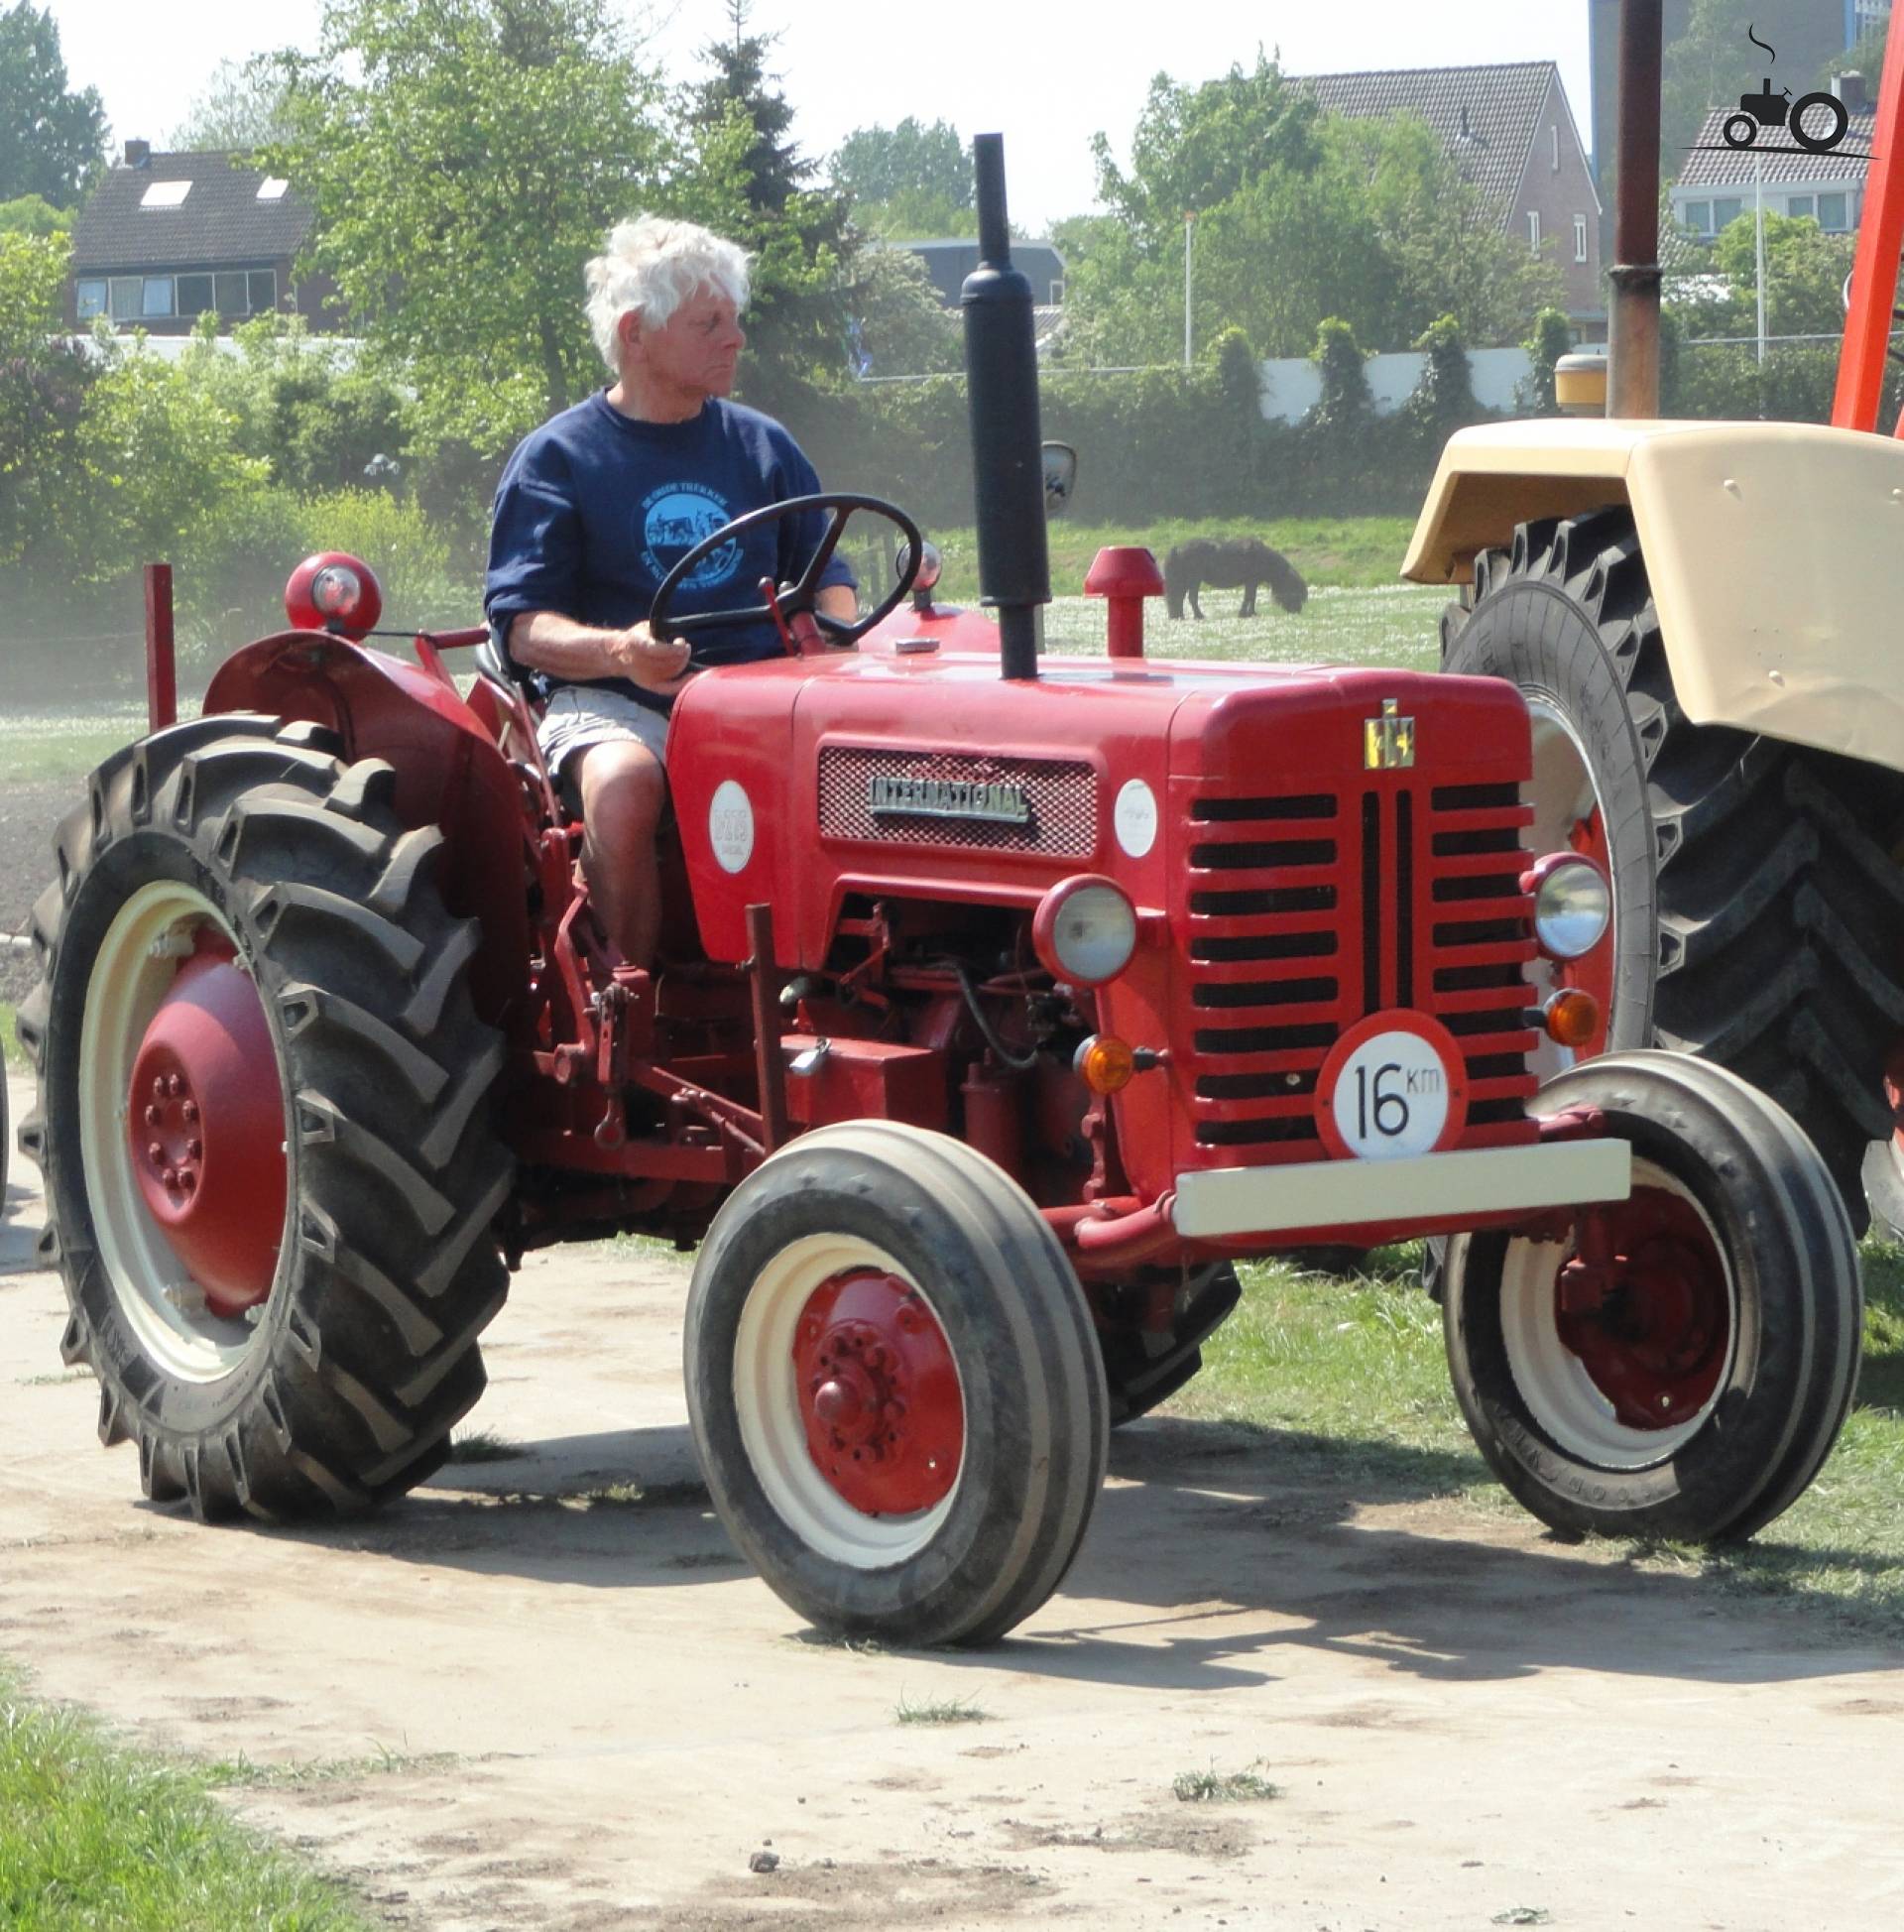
column 798, row 783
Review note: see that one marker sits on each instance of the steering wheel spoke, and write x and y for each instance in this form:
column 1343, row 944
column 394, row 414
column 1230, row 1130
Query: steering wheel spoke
column 801, row 597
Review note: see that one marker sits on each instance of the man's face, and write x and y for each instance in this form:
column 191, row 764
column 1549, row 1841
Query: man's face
column 699, row 346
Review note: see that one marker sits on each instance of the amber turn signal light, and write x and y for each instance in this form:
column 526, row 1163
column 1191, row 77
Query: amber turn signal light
column 1571, row 1018
column 1106, row 1063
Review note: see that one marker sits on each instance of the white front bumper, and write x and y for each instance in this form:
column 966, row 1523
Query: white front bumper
column 1425, row 1187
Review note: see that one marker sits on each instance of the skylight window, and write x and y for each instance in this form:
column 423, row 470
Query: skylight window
column 165, row 195
column 272, row 190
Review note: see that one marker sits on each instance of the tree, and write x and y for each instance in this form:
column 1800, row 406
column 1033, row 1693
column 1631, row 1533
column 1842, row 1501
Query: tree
column 1805, row 271
column 42, row 389
column 464, row 159
column 32, row 214
column 52, row 139
column 911, row 182
column 1195, row 147
column 755, row 188
column 241, row 107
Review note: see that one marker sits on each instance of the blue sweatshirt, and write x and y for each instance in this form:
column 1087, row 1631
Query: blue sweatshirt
column 594, row 510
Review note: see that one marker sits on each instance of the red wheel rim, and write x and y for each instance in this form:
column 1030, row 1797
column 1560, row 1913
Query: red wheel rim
column 1642, row 1301
column 878, row 1394
column 205, row 1120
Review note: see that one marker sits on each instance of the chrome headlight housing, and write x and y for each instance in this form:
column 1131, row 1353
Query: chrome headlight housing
column 1573, row 905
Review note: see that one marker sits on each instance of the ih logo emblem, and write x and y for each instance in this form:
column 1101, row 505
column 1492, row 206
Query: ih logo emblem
column 1388, row 742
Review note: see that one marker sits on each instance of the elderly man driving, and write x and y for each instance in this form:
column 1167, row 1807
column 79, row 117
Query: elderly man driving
column 597, row 505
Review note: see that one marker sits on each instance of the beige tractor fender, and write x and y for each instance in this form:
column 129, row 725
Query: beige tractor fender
column 1775, row 551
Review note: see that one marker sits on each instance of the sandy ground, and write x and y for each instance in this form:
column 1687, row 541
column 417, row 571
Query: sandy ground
column 1469, row 1725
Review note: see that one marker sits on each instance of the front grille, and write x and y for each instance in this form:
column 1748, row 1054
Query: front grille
column 1308, row 911
column 1061, row 796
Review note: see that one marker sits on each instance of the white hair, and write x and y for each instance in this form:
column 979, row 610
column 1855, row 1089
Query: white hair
column 652, row 266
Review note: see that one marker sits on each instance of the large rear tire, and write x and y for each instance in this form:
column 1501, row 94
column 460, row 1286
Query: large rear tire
column 894, row 1388
column 1680, row 1363
column 1758, row 909
column 263, row 1119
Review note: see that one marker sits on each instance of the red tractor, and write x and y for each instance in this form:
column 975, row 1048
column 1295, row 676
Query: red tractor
column 1006, row 1001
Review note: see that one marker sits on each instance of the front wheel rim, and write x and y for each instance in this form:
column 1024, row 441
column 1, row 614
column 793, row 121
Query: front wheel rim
column 1587, row 1383
column 190, row 1334
column 797, row 1376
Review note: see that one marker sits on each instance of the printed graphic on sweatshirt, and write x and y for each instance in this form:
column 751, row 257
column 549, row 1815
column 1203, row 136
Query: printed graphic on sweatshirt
column 674, row 518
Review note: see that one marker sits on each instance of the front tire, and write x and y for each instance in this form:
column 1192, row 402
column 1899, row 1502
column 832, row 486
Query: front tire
column 263, row 1119
column 1758, row 909
column 1691, row 1385
column 894, row 1388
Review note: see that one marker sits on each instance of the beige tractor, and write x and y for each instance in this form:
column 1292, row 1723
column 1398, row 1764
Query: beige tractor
column 1702, row 618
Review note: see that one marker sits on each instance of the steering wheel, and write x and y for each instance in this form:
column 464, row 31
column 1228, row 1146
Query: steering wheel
column 801, row 597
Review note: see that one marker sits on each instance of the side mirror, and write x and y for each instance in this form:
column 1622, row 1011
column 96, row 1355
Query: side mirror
column 1060, row 476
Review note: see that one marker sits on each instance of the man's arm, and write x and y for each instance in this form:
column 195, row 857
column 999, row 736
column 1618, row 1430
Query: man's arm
column 839, row 601
column 547, row 641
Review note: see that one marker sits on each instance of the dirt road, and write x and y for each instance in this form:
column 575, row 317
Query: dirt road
column 581, row 1711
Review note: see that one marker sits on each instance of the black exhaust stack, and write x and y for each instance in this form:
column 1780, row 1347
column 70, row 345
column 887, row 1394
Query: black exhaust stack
column 1008, row 466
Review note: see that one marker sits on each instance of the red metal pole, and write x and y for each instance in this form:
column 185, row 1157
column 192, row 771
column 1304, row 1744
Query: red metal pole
column 1881, row 238
column 1632, row 331
column 764, row 979
column 162, row 670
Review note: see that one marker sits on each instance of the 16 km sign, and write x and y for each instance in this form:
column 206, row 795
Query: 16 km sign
column 1395, row 1085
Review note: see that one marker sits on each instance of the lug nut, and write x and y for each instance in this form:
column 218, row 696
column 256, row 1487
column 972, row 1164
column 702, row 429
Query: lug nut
column 171, row 1176
column 195, row 1150
column 158, row 1086
column 188, row 1180
column 152, row 1116
column 173, row 1086
column 191, row 1113
column 155, row 1154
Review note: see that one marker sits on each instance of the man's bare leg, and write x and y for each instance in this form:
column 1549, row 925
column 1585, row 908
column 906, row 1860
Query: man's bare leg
column 622, row 790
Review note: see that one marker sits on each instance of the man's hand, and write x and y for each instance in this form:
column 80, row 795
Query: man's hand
column 642, row 658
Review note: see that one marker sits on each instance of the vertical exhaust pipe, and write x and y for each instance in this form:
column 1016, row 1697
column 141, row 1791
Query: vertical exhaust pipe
column 1632, row 332
column 1001, row 386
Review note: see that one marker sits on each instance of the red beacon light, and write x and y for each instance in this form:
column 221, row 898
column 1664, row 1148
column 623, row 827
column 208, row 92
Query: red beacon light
column 333, row 592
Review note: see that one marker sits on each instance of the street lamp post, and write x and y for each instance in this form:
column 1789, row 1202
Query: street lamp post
column 1189, row 228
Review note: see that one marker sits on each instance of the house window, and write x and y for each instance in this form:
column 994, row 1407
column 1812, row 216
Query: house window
column 271, row 189
column 1533, row 229
column 91, row 298
column 195, row 294
column 1725, row 212
column 1057, row 290
column 158, row 297
column 126, row 296
column 1580, row 238
column 165, row 195
column 1698, row 216
column 1834, row 214
column 263, row 289
column 1553, row 137
column 1802, row 207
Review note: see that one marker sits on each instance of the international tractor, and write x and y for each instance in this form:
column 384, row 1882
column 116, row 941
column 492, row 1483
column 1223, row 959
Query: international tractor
column 1702, row 618
column 1006, row 1001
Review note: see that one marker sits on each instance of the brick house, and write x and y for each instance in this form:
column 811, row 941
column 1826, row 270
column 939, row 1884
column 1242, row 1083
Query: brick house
column 1512, row 132
column 164, row 237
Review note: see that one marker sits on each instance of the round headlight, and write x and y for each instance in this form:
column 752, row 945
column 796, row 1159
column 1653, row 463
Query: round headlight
column 1573, row 905
column 1086, row 931
column 337, row 590
column 930, row 565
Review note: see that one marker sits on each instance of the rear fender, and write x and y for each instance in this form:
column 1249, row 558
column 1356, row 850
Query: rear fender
column 1775, row 553
column 449, row 774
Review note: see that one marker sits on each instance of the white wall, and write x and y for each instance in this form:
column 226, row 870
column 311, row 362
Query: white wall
column 1292, row 385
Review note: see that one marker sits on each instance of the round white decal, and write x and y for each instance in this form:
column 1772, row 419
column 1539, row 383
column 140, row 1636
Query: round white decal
column 1391, row 1097
column 1135, row 818
column 730, row 826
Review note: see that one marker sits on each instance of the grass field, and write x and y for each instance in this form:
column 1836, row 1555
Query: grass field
column 94, row 1836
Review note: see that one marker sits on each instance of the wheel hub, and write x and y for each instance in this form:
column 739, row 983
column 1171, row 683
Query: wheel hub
column 205, row 1121
column 878, row 1394
column 1642, row 1304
